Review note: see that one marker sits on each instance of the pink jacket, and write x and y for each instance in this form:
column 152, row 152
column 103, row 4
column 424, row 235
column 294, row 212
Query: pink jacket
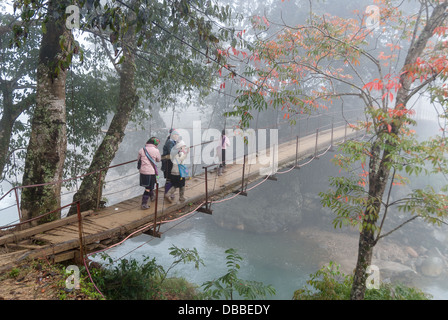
column 147, row 167
column 225, row 142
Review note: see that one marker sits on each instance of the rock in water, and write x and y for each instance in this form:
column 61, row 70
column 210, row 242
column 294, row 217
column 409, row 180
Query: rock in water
column 411, row 252
column 432, row 267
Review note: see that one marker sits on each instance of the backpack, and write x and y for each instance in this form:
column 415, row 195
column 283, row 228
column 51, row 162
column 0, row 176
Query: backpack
column 183, row 170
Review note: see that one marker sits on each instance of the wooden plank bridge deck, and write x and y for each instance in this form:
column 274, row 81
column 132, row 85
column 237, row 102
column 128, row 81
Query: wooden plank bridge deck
column 60, row 240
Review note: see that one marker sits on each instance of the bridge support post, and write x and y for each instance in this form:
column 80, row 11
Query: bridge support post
column 18, row 206
column 153, row 231
column 273, row 175
column 296, row 166
column 315, row 147
column 332, row 135
column 99, row 190
column 81, row 243
column 242, row 191
column 206, row 207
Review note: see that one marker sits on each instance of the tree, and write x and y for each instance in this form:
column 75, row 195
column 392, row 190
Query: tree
column 92, row 91
column 17, row 88
column 46, row 150
column 163, row 40
column 127, row 101
column 88, row 101
column 44, row 165
column 331, row 59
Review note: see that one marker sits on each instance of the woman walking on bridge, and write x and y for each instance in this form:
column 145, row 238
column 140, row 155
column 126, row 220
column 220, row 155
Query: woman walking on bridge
column 167, row 164
column 178, row 156
column 147, row 158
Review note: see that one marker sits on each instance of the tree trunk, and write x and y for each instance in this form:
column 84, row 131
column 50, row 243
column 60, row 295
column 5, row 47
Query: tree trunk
column 48, row 142
column 378, row 178
column 365, row 253
column 6, row 125
column 379, row 173
column 90, row 191
column 11, row 112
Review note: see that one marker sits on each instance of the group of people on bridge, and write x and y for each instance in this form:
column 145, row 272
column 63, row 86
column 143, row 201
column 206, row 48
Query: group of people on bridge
column 173, row 156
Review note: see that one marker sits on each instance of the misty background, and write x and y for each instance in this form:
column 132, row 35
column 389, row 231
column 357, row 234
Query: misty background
column 281, row 229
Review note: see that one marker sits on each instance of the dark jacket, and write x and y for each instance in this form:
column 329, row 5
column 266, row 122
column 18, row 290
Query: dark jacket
column 167, row 165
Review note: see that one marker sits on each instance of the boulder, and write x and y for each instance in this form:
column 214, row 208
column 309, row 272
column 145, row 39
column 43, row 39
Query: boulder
column 432, row 266
column 394, row 271
column 391, row 267
column 410, row 251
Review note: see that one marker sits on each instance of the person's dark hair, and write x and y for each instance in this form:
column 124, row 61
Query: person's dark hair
column 154, row 141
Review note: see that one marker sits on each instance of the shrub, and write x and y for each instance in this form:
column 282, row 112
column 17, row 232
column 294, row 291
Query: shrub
column 329, row 283
column 229, row 284
column 131, row 280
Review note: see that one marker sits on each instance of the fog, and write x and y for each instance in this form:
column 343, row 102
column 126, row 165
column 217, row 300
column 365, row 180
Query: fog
column 281, row 229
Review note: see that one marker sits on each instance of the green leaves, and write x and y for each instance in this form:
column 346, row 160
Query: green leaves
column 427, row 204
column 349, row 201
column 225, row 286
column 329, row 283
column 186, row 255
column 131, row 279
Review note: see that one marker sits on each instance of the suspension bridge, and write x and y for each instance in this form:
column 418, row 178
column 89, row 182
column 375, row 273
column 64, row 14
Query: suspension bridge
column 76, row 236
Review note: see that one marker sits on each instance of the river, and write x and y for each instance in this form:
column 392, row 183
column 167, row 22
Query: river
column 284, row 253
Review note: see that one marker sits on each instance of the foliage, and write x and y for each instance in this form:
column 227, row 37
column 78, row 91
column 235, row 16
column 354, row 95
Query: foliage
column 226, row 286
column 86, row 287
column 329, row 283
column 129, row 280
column 14, row 272
column 90, row 97
column 132, row 280
column 17, row 96
column 48, row 281
column 165, row 43
column 179, row 289
column 183, row 255
column 331, row 61
column 92, row 89
column 396, row 292
column 148, row 280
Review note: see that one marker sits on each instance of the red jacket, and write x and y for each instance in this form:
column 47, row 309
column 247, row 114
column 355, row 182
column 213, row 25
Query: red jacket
column 147, row 167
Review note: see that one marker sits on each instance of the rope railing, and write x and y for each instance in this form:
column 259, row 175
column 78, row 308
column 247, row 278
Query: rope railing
column 37, row 217
column 17, row 188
